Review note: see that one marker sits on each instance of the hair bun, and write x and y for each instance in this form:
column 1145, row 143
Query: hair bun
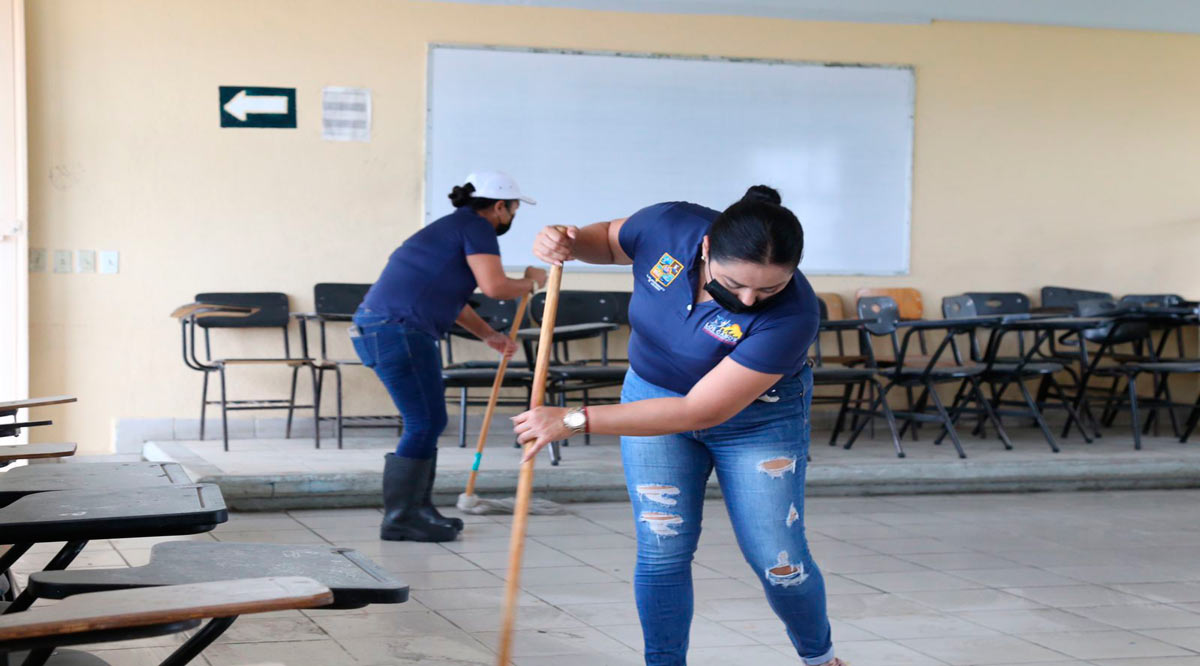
column 763, row 193
column 461, row 195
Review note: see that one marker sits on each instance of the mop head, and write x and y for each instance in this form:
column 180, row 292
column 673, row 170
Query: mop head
column 476, row 505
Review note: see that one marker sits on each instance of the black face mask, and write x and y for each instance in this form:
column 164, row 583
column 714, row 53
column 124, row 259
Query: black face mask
column 732, row 303
column 503, row 228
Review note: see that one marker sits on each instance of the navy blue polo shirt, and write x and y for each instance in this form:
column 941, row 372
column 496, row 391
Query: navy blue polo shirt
column 676, row 341
column 427, row 280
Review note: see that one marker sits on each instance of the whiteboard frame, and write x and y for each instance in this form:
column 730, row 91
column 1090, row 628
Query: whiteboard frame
column 580, row 267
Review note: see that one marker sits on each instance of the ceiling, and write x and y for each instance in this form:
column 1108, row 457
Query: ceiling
column 1182, row 16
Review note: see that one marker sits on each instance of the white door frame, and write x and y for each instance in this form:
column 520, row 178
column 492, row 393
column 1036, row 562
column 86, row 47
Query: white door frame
column 14, row 206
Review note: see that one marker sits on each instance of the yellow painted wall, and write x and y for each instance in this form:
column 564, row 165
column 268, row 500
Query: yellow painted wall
column 1043, row 156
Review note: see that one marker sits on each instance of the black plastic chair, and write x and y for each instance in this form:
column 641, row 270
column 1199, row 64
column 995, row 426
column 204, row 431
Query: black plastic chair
column 886, row 323
column 583, row 315
column 862, row 378
column 270, row 311
column 464, row 376
column 1063, row 299
column 336, row 302
column 1000, row 372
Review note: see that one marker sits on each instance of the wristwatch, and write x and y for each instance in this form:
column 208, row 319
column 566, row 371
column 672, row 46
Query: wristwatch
column 575, row 421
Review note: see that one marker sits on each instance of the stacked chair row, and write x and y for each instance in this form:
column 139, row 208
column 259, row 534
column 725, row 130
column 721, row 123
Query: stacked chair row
column 1008, row 359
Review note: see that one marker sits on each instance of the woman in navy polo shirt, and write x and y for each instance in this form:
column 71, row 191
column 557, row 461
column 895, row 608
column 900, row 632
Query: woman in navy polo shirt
column 421, row 293
column 721, row 324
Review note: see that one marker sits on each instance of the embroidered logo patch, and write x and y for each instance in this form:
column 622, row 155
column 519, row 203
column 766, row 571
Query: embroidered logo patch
column 665, row 271
column 724, row 330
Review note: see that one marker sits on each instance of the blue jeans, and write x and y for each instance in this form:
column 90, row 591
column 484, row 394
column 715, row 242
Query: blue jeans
column 760, row 457
column 409, row 364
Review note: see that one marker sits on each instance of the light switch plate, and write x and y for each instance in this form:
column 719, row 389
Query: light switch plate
column 37, row 260
column 85, row 261
column 62, row 261
column 110, row 262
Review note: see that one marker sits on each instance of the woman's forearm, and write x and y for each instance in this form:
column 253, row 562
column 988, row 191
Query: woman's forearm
column 470, row 320
column 648, row 418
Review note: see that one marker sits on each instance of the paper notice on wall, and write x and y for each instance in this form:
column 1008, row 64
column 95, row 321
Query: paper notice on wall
column 346, row 114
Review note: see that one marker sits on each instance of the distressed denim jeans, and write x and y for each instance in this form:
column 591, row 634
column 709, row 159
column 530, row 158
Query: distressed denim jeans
column 760, row 458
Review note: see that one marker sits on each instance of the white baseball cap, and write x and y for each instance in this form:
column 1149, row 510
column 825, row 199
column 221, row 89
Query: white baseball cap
column 496, row 185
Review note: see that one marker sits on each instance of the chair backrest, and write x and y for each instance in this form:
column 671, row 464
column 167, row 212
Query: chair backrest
column 883, row 309
column 622, row 298
column 832, row 306
column 1151, row 301
column 999, row 302
column 959, row 307
column 338, row 298
column 498, row 313
column 1118, row 333
column 581, row 307
column 1066, row 298
column 273, row 309
column 907, row 300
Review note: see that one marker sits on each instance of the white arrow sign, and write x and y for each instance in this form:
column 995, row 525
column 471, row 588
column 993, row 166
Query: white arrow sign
column 242, row 104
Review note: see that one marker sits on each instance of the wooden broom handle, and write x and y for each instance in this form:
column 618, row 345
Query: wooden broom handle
column 497, row 384
column 516, row 547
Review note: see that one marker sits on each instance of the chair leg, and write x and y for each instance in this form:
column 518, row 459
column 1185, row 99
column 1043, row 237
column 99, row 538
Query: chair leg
column 858, row 403
column 203, row 404
column 1070, row 409
column 991, row 414
column 587, row 436
column 1133, row 412
column 956, row 405
column 224, row 412
column 891, row 421
column 462, row 418
column 287, row 433
column 337, row 380
column 1109, row 413
column 862, row 423
column 1166, row 387
column 1037, row 415
column 562, row 402
column 847, row 391
column 317, row 376
column 914, row 408
column 949, row 425
column 1193, row 419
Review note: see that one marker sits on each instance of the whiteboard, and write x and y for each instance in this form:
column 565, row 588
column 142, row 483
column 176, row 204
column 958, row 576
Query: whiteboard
column 598, row 136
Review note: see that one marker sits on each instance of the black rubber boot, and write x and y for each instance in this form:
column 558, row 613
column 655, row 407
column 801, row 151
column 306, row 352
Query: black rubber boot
column 428, row 509
column 405, row 484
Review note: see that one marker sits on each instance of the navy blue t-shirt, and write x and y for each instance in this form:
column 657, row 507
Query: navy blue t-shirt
column 427, row 280
column 676, row 341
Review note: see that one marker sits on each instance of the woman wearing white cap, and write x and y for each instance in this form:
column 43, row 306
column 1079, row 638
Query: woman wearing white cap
column 421, row 293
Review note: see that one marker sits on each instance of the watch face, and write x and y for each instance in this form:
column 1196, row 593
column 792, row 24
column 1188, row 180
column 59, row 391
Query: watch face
column 575, row 419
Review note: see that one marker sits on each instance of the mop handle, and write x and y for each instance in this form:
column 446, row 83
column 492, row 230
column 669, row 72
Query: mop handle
column 494, row 397
column 516, row 547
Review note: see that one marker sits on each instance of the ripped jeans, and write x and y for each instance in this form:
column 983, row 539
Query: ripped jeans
column 760, row 458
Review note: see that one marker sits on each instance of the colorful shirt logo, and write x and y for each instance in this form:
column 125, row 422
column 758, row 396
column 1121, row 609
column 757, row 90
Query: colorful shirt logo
column 664, row 272
column 724, row 330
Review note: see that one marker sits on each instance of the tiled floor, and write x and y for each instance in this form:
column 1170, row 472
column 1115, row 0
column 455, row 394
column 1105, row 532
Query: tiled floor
column 1106, row 579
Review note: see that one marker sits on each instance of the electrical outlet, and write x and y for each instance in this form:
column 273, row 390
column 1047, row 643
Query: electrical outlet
column 62, row 261
column 85, row 261
column 110, row 262
column 37, row 260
